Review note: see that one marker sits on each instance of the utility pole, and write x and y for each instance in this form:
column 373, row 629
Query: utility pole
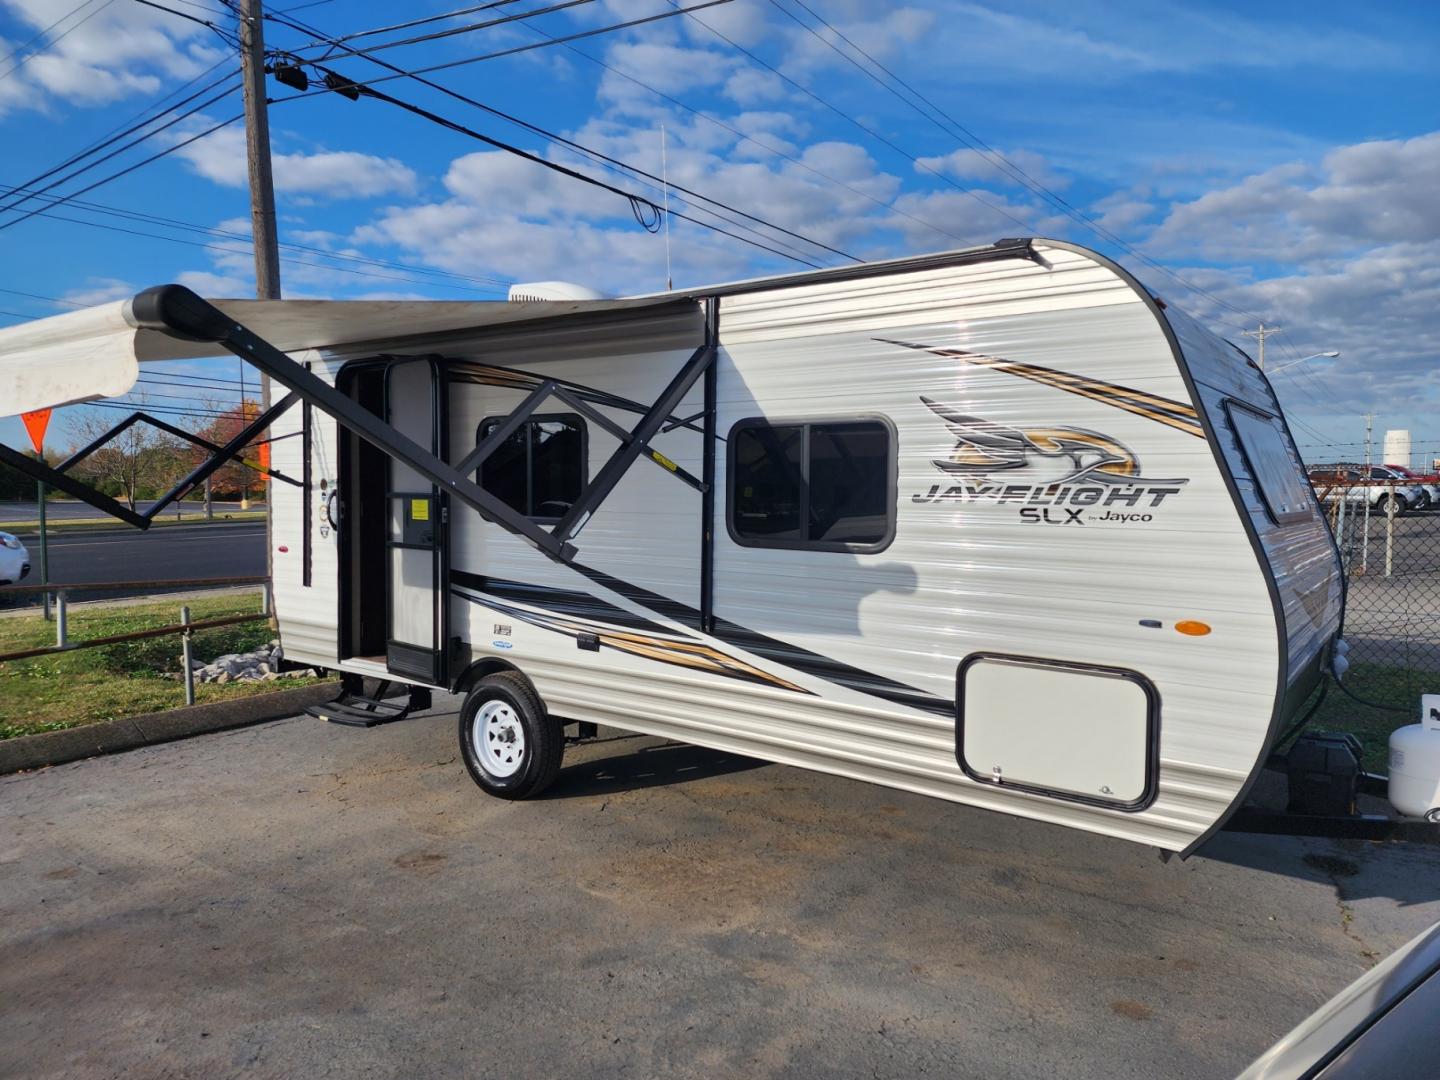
column 262, row 199
column 1260, row 335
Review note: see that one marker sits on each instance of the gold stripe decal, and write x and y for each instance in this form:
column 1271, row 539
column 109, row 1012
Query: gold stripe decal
column 691, row 654
column 1162, row 410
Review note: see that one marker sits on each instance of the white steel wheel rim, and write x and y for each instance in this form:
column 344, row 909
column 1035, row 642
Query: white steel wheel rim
column 498, row 737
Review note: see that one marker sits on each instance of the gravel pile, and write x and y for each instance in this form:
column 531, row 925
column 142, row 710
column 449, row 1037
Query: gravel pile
column 260, row 665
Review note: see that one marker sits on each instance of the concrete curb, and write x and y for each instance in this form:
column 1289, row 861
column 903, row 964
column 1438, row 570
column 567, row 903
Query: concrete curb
column 130, row 732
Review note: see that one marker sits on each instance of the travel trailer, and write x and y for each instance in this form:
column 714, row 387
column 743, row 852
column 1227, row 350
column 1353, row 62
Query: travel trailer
column 998, row 526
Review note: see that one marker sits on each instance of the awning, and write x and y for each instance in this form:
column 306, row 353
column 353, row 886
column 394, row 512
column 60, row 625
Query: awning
column 96, row 353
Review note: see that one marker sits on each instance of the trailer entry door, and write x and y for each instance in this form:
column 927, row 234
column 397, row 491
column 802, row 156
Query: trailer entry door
column 418, row 527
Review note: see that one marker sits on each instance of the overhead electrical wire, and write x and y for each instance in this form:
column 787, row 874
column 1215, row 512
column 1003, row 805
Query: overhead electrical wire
column 537, row 45
column 33, row 191
column 224, row 35
column 53, row 41
column 716, row 121
column 404, row 25
column 135, row 122
column 972, row 141
column 453, row 31
column 857, row 123
column 123, row 172
column 597, row 156
column 647, row 213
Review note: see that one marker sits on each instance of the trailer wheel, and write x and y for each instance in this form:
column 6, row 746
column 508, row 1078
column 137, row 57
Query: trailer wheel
column 510, row 742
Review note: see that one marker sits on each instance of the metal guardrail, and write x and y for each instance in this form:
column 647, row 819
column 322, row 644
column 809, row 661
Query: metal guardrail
column 61, row 591
column 185, row 628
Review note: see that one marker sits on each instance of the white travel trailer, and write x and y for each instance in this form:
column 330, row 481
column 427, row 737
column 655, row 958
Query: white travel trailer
column 998, row 526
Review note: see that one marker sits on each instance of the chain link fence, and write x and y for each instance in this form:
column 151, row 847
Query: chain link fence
column 1388, row 531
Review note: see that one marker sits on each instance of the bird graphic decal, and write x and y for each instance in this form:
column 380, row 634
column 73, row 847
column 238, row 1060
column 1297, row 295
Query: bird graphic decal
column 1038, row 456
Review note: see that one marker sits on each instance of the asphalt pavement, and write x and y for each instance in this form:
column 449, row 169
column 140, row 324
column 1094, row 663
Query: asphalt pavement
column 171, row 552
column 301, row 899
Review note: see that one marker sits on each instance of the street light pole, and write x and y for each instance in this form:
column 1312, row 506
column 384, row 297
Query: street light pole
column 1260, row 335
column 1313, row 356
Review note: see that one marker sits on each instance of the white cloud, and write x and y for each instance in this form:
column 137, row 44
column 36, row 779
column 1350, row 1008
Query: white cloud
column 324, row 174
column 968, row 164
column 1359, row 196
column 97, row 54
column 99, row 290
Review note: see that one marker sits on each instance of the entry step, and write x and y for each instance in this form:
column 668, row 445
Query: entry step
column 355, row 708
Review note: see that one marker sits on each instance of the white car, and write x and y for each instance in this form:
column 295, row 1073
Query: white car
column 1431, row 491
column 14, row 559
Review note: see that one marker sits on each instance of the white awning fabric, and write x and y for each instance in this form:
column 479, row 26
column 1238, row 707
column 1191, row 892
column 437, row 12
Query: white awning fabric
column 96, row 353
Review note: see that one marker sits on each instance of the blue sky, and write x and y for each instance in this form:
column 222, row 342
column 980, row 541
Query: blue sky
column 1283, row 157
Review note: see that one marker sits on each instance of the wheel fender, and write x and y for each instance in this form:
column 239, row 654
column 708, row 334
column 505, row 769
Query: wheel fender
column 488, row 665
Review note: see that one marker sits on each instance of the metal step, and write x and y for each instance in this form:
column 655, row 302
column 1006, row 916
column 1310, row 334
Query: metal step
column 355, row 708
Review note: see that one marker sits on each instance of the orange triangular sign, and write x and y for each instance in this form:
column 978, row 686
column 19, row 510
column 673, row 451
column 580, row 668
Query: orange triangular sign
column 35, row 424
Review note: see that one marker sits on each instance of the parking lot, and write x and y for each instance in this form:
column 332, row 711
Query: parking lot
column 297, row 899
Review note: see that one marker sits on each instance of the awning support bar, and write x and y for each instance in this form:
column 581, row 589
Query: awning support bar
column 175, row 310
column 38, row 470
column 579, row 513
column 222, row 454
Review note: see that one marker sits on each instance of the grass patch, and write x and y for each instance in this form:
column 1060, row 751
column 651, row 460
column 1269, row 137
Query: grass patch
column 50, row 693
column 1397, row 687
column 72, row 524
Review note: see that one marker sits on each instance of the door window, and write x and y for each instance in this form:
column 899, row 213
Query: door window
column 540, row 469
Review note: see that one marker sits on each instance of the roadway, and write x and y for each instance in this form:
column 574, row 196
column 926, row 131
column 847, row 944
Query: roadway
column 226, row 549
column 301, row 899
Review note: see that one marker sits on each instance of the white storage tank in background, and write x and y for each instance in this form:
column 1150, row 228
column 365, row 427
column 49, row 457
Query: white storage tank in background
column 1415, row 763
column 1397, row 448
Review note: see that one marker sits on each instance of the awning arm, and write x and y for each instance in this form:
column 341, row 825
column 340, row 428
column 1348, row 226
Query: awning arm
column 175, row 310
column 219, row 457
column 38, row 470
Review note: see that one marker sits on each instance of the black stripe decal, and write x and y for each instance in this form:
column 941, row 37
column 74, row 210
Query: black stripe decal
column 571, row 602
column 774, row 650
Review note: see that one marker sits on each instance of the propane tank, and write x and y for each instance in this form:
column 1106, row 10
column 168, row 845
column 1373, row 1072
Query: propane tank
column 1415, row 763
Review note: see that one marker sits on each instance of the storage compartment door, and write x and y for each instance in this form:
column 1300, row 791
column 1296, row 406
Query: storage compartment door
column 1067, row 730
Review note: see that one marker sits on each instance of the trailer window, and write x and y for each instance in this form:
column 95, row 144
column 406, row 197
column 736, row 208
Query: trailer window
column 540, row 469
column 1280, row 482
column 826, row 486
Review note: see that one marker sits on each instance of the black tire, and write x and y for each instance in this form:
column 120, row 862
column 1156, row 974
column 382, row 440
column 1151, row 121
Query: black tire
column 1382, row 506
column 541, row 748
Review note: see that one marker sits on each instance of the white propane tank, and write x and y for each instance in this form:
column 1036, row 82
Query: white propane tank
column 1415, row 763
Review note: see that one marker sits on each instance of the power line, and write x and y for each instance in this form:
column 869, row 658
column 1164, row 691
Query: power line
column 115, row 153
column 647, row 213
column 537, row 45
column 716, row 121
column 55, row 40
column 135, row 122
column 430, row 279
column 123, row 172
column 223, row 35
column 853, row 121
column 994, row 157
column 597, row 155
column 405, row 25
column 331, row 54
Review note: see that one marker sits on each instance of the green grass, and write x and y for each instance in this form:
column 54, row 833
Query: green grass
column 1397, row 687
column 195, row 517
column 50, row 693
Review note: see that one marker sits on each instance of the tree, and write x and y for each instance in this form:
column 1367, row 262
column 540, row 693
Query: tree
column 234, row 479
column 133, row 464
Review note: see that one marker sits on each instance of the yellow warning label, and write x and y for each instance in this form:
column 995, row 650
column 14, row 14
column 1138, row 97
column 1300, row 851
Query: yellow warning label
column 419, row 509
column 663, row 460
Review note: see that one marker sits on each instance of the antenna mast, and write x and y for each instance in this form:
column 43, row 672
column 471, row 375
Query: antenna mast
column 665, row 187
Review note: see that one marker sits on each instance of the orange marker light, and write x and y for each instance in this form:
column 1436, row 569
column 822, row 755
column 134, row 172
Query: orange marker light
column 1193, row 627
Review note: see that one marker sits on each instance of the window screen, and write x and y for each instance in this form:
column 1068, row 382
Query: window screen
column 540, row 469
column 826, row 486
column 1267, row 451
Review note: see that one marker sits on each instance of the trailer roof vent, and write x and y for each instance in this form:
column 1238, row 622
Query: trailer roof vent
column 554, row 290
